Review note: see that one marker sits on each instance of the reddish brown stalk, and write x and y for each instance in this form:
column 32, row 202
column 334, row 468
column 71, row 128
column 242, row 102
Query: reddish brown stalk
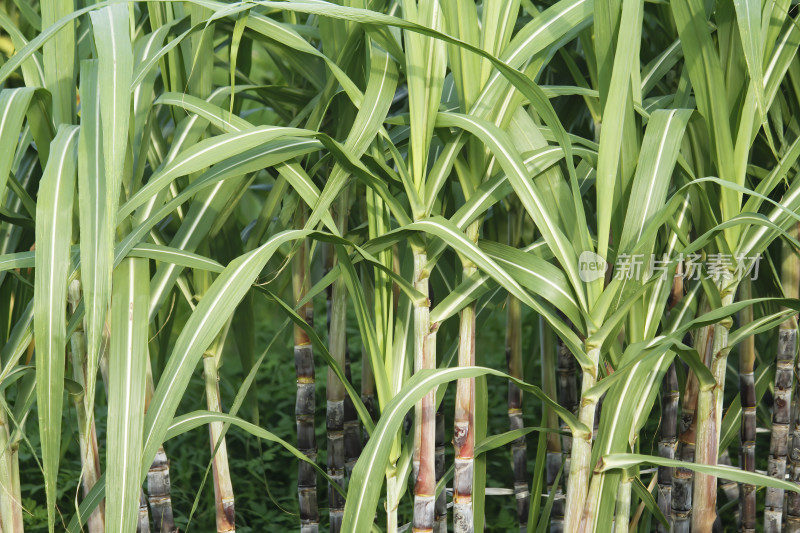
column 440, row 509
column 424, row 358
column 682, row 477
column 464, row 429
column 223, row 487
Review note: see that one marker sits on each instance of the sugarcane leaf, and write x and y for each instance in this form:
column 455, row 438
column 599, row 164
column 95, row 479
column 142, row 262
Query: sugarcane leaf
column 114, row 72
column 202, row 327
column 322, row 349
column 13, row 106
column 32, row 67
column 615, row 110
column 95, row 219
column 650, row 503
column 206, row 153
column 220, row 118
column 195, row 419
column 367, row 475
column 59, row 60
column 656, row 161
column 748, row 19
column 127, row 374
column 511, row 162
column 454, row 238
column 174, row 256
column 53, row 234
column 537, row 275
column 17, row 260
column 627, row 460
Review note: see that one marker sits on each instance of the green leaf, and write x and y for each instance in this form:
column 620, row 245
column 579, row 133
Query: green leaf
column 362, row 500
column 200, row 330
column 127, row 374
column 53, row 233
column 627, row 460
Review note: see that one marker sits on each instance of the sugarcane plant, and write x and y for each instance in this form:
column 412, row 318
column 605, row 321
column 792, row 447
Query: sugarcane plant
column 609, row 187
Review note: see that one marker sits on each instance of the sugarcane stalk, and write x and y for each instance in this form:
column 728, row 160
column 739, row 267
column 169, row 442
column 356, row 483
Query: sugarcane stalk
column 158, row 480
column 158, row 492
column 464, row 428
column 580, row 459
column 223, row 487
column 352, row 427
column 747, row 433
column 730, row 488
column 623, row 511
column 709, row 417
column 790, row 273
column 682, row 489
column 335, row 390
column 568, row 398
column 549, row 356
column 305, row 399
column 87, row 433
column 440, row 509
column 793, row 498
column 425, row 422
column 143, row 524
column 10, row 505
column 518, row 447
column 781, row 411
column 779, row 439
column 668, row 441
column 670, row 395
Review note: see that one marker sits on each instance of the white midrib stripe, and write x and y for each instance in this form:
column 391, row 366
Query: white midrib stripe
column 115, row 104
column 182, row 244
column 128, row 381
column 540, row 210
column 177, row 169
column 539, row 276
column 773, row 62
column 448, row 311
column 664, row 57
column 619, row 405
column 655, row 172
column 52, row 294
column 7, row 110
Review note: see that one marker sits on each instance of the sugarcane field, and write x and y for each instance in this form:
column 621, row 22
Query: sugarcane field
column 399, row 266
